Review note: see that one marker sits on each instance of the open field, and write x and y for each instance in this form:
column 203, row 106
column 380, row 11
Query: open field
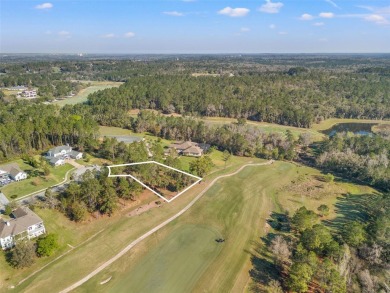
column 329, row 123
column 235, row 208
column 32, row 184
column 83, row 94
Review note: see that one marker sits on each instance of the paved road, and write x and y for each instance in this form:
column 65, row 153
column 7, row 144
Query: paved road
column 150, row 232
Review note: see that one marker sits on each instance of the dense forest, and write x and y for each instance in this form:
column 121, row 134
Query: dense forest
column 28, row 128
column 289, row 99
column 364, row 158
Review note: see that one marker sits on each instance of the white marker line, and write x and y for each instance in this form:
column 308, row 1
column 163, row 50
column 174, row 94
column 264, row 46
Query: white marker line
column 147, row 187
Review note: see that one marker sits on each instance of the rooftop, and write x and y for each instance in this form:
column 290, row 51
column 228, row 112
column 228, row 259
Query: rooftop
column 23, row 218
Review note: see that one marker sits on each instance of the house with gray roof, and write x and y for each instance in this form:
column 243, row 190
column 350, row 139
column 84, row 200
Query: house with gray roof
column 57, row 155
column 13, row 171
column 24, row 224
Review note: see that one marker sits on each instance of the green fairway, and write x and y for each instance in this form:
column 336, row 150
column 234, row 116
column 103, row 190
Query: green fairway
column 83, row 94
column 231, row 208
column 329, row 123
column 266, row 127
column 174, row 265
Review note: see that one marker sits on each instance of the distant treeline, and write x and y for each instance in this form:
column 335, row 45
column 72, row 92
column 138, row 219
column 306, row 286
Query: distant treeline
column 295, row 97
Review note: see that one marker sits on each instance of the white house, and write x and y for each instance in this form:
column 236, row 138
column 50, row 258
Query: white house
column 13, row 171
column 60, row 151
column 24, row 224
column 57, row 161
column 65, row 152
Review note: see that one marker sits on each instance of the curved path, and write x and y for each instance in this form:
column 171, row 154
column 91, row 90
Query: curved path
column 158, row 227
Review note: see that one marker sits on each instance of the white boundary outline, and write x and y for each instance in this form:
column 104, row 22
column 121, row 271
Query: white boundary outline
column 147, row 187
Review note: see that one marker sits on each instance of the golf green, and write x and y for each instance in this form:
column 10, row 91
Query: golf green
column 174, row 265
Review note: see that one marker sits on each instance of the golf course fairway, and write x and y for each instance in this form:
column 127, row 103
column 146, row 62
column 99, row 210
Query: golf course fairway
column 184, row 256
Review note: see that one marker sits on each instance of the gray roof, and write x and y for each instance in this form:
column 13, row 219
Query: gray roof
column 24, row 219
column 74, row 153
column 55, row 160
column 127, row 138
column 12, row 168
column 59, row 149
column 3, row 200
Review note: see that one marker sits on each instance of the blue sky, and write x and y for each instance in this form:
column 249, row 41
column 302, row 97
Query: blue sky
column 194, row 26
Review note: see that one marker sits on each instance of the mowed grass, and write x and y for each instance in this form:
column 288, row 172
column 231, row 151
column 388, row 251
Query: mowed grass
column 235, row 208
column 33, row 184
column 329, row 123
column 267, row 127
column 81, row 97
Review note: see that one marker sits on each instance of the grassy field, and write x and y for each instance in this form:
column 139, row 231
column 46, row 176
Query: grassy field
column 329, row 123
column 32, row 184
column 184, row 252
column 83, row 94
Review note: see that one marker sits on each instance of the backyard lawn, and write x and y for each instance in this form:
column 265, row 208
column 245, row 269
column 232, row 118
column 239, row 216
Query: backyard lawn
column 32, row 184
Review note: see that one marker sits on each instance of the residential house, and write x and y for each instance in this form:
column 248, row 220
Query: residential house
column 60, row 151
column 13, row 171
column 31, row 94
column 189, row 148
column 23, row 224
column 57, row 155
column 56, row 162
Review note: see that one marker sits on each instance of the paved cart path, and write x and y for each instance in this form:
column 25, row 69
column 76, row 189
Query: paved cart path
column 158, row 227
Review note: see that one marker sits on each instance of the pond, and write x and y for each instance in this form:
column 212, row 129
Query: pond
column 356, row 128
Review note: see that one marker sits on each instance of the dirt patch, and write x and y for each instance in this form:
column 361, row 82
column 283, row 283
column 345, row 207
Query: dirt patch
column 141, row 209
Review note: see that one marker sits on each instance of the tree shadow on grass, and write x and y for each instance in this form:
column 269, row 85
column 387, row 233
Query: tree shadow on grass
column 279, row 222
column 263, row 269
column 351, row 207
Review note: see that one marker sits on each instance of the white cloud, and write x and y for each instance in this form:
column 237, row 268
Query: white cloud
column 129, row 35
column 326, row 15
column 46, row 5
column 48, row 32
column 332, row 3
column 173, row 13
column 108, row 36
column 318, row 24
column 272, row 26
column 271, row 7
column 282, row 33
column 306, row 16
column 234, row 12
column 376, row 18
column 64, row 33
column 245, row 29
